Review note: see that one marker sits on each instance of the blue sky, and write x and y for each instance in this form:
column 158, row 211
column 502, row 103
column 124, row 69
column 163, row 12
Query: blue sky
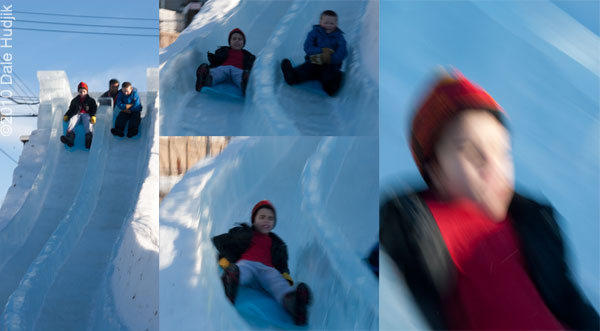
column 541, row 61
column 92, row 58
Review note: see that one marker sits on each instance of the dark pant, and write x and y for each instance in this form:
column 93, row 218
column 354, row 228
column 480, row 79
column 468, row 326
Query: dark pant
column 328, row 74
column 134, row 122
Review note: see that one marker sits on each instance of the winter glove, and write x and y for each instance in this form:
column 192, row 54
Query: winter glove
column 288, row 278
column 93, row 119
column 65, row 118
column 224, row 263
column 326, row 55
column 316, row 59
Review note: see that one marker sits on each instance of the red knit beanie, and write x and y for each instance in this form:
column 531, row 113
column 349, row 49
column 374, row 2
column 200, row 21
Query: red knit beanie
column 82, row 85
column 236, row 30
column 260, row 205
column 450, row 95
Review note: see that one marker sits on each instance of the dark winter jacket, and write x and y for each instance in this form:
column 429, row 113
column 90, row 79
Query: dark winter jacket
column 222, row 53
column 317, row 39
column 411, row 237
column 233, row 244
column 133, row 98
column 107, row 95
column 89, row 104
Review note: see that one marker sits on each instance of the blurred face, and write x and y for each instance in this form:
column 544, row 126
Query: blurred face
column 264, row 220
column 237, row 41
column 127, row 90
column 114, row 88
column 474, row 161
column 83, row 92
column 329, row 23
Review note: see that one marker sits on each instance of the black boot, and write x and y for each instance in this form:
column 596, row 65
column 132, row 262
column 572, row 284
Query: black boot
column 245, row 78
column 297, row 302
column 88, row 140
column 231, row 281
column 203, row 77
column 288, row 72
column 68, row 139
column 117, row 132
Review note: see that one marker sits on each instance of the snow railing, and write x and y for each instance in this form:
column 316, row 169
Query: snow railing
column 118, row 287
column 25, row 304
column 54, row 97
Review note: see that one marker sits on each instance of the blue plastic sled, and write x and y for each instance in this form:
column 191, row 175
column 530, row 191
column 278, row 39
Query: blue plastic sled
column 224, row 90
column 312, row 86
column 260, row 310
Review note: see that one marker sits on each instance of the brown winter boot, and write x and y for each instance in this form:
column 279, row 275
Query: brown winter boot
column 297, row 302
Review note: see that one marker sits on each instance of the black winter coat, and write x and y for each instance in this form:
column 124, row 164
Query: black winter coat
column 222, row 53
column 89, row 104
column 411, row 237
column 233, row 244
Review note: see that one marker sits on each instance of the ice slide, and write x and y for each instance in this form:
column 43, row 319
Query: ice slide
column 274, row 30
column 325, row 192
column 65, row 259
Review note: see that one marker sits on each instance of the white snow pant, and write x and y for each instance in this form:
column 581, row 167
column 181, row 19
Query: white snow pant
column 257, row 275
column 85, row 121
column 227, row 73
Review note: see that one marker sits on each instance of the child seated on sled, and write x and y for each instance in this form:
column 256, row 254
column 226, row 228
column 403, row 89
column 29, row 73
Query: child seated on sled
column 229, row 63
column 325, row 49
column 82, row 109
column 255, row 256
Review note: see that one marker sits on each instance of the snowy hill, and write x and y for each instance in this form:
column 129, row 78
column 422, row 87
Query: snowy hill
column 328, row 223
column 274, row 30
column 85, row 223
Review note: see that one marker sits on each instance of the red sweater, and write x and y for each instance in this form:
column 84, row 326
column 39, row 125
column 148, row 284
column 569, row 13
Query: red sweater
column 493, row 289
column 235, row 58
column 82, row 110
column 259, row 250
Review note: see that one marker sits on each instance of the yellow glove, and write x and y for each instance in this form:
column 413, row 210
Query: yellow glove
column 93, row 119
column 316, row 59
column 326, row 55
column 288, row 278
column 65, row 118
column 224, row 263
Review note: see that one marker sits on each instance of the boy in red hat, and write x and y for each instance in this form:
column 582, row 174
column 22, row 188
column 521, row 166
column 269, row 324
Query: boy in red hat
column 82, row 108
column 255, row 256
column 229, row 63
column 325, row 48
column 475, row 254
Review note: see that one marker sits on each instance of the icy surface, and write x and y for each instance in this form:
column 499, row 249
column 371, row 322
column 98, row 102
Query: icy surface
column 80, row 210
column 274, row 30
column 325, row 192
column 541, row 66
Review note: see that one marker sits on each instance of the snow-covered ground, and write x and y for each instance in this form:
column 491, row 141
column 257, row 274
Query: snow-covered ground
column 78, row 231
column 274, row 30
column 325, row 190
column 547, row 80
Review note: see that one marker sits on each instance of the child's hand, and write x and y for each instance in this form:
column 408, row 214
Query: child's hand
column 93, row 119
column 327, row 50
column 316, row 59
column 288, row 278
column 65, row 118
column 127, row 106
column 224, row 263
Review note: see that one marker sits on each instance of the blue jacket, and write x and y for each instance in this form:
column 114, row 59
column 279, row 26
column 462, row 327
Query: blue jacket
column 133, row 98
column 317, row 38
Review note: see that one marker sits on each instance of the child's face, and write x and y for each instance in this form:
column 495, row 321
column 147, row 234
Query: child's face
column 127, row 90
column 474, row 161
column 329, row 23
column 83, row 92
column 236, row 42
column 264, row 220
